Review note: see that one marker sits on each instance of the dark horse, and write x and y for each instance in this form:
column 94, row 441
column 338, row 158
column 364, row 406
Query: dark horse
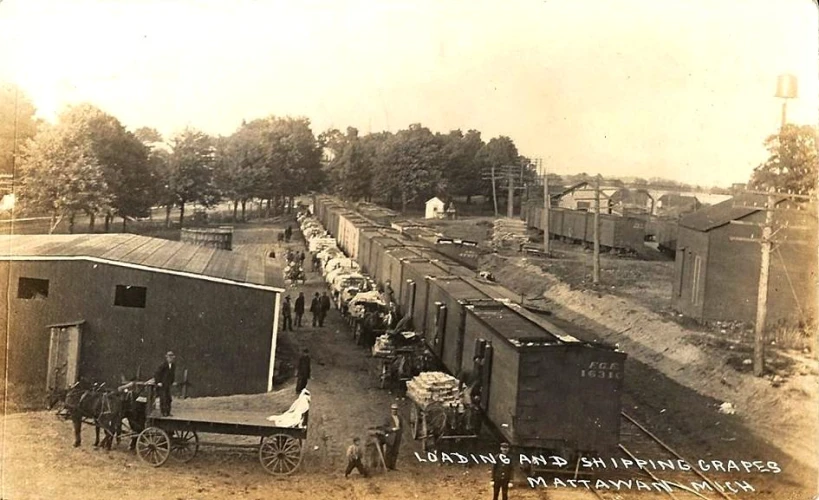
column 134, row 409
column 96, row 405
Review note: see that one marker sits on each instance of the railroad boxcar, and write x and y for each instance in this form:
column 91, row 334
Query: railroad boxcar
column 378, row 247
column 392, row 270
column 544, row 391
column 415, row 290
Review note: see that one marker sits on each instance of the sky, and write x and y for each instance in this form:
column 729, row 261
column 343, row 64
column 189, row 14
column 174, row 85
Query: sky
column 680, row 89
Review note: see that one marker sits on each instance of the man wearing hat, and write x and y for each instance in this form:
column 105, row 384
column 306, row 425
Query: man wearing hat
column 395, row 427
column 286, row 311
column 502, row 473
column 164, row 379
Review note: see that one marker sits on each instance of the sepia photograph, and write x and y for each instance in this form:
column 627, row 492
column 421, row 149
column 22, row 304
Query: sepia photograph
column 428, row 249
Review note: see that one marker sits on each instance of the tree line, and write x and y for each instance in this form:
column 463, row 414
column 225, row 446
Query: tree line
column 88, row 163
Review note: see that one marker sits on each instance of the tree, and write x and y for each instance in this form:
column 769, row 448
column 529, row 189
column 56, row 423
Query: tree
column 191, row 170
column 60, row 173
column 241, row 164
column 124, row 159
column 463, row 172
column 792, row 164
column 410, row 165
column 17, row 125
column 354, row 169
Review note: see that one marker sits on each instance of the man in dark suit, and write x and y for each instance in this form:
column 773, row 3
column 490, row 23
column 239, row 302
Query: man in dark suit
column 298, row 308
column 315, row 308
column 325, row 307
column 502, row 473
column 164, row 379
column 395, row 429
column 303, row 371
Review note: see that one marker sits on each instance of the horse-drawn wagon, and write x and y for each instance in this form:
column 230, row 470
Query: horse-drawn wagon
column 402, row 355
column 176, row 436
column 441, row 410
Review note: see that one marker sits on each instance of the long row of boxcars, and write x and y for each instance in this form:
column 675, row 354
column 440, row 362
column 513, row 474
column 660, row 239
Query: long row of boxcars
column 542, row 389
column 616, row 232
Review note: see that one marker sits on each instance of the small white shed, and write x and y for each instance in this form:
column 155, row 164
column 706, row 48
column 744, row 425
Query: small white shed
column 435, row 209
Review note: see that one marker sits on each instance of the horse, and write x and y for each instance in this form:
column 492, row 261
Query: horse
column 134, row 409
column 102, row 407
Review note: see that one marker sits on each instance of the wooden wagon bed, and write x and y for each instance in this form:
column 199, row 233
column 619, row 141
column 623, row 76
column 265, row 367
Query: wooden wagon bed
column 176, row 437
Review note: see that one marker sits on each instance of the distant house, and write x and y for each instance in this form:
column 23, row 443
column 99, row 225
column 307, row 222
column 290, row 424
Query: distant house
column 581, row 197
column 675, row 205
column 631, row 202
column 717, row 278
column 435, row 209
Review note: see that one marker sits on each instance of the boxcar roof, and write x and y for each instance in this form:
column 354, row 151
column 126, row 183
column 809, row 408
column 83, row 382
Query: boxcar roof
column 142, row 252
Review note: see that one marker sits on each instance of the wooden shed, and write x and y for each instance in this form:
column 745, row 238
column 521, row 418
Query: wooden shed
column 102, row 307
column 717, row 278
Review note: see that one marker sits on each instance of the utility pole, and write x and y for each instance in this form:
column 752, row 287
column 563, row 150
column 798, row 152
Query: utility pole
column 785, row 89
column 547, row 202
column 494, row 192
column 596, row 272
column 510, row 209
column 766, row 243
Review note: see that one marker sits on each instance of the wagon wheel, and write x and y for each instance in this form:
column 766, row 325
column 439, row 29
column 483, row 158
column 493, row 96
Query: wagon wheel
column 434, row 424
column 280, row 454
column 153, row 446
column 184, row 445
column 415, row 426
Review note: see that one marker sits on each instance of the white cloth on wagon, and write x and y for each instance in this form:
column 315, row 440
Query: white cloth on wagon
column 294, row 416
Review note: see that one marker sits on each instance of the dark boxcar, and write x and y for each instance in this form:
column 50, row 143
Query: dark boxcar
column 392, row 269
column 378, row 247
column 541, row 391
column 364, row 244
column 415, row 289
column 447, row 297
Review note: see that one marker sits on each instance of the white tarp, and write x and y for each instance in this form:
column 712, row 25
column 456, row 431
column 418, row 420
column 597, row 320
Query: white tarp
column 293, row 417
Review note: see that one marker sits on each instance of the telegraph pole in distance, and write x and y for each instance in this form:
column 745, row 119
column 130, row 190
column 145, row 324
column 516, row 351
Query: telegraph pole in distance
column 547, row 202
column 596, row 272
column 510, row 209
column 494, row 192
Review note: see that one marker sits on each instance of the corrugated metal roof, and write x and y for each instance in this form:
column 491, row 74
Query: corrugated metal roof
column 723, row 213
column 153, row 254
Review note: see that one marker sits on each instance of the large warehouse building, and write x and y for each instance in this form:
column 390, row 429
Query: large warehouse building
column 102, row 307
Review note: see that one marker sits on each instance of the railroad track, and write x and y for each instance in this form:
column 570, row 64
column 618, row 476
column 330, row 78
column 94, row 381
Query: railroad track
column 639, row 443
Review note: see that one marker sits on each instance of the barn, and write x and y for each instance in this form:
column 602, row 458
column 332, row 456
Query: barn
column 717, row 278
column 102, row 307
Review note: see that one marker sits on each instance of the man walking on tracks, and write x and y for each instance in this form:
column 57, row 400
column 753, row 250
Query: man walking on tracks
column 395, row 428
column 502, row 473
column 298, row 308
column 315, row 309
column 303, row 371
column 354, row 459
column 164, row 379
column 288, row 321
column 325, row 306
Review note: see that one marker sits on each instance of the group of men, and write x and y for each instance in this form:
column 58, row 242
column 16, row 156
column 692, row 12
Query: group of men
column 318, row 308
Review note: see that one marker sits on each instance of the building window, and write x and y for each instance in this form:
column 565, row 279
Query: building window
column 583, row 206
column 32, row 288
column 130, row 296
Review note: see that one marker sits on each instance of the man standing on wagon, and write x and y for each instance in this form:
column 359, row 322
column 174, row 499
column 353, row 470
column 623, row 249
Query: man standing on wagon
column 164, row 379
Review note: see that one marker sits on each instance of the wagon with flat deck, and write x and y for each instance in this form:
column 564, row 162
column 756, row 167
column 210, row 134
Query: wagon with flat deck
column 176, row 437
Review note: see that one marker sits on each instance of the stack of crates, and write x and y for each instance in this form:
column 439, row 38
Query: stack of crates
column 434, row 387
